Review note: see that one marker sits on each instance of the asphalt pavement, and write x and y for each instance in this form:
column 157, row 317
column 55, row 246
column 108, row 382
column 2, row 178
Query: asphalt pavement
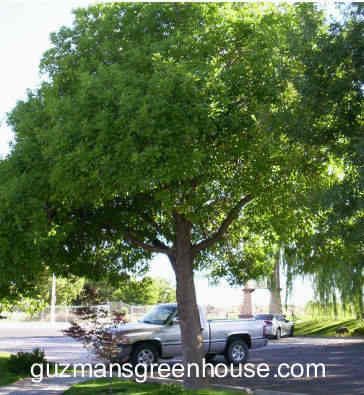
column 343, row 359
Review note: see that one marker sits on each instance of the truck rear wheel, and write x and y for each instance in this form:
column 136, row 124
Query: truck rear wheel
column 144, row 354
column 237, row 352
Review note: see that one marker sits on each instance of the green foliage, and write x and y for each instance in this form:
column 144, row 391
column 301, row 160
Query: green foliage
column 5, row 305
column 6, row 377
column 74, row 290
column 95, row 292
column 333, row 253
column 128, row 290
column 146, row 291
column 22, row 362
column 326, row 310
column 35, row 300
column 31, row 306
column 166, row 293
column 190, row 117
column 68, row 289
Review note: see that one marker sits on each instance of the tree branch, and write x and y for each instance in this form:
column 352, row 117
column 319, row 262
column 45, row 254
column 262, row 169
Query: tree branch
column 233, row 214
column 157, row 246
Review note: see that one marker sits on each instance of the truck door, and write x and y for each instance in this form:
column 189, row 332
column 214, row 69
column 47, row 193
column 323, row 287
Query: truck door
column 170, row 337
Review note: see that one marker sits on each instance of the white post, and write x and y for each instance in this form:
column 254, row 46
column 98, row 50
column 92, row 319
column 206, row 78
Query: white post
column 246, row 310
column 53, row 300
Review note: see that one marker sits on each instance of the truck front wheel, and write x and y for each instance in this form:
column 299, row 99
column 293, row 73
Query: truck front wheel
column 144, row 354
column 237, row 352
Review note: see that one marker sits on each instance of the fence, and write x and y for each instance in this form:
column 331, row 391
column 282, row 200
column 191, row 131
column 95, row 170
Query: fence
column 133, row 312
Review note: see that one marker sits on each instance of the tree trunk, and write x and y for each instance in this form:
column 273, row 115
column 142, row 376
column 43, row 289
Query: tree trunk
column 360, row 308
column 182, row 262
column 275, row 305
column 334, row 303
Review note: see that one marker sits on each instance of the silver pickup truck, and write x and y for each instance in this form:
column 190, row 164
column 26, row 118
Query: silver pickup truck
column 158, row 335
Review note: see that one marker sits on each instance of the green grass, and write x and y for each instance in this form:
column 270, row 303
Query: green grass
column 102, row 386
column 325, row 327
column 6, row 377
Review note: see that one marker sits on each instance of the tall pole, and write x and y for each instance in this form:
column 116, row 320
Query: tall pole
column 53, row 299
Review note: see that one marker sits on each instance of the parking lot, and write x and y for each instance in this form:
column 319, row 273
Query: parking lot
column 344, row 358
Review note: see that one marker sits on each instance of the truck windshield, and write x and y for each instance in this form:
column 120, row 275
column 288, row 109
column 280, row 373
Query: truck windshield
column 159, row 315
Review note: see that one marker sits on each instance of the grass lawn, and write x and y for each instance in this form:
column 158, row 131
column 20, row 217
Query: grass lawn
column 6, row 377
column 325, row 327
column 102, row 386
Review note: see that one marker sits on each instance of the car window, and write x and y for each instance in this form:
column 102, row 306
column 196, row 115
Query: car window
column 159, row 315
column 267, row 317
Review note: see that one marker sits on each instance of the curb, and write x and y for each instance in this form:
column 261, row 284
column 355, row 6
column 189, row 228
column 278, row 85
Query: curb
column 254, row 392
column 249, row 391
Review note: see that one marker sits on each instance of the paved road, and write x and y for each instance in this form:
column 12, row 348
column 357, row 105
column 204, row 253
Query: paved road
column 344, row 358
column 25, row 336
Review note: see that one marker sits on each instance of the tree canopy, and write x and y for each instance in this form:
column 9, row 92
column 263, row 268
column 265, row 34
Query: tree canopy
column 162, row 129
column 146, row 108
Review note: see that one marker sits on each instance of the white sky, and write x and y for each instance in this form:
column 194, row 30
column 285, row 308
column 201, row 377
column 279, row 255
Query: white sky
column 25, row 26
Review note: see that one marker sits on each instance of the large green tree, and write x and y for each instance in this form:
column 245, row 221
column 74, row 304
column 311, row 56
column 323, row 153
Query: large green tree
column 159, row 129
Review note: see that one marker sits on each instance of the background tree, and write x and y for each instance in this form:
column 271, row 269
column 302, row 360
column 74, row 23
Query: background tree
column 128, row 289
column 33, row 301
column 333, row 254
column 323, row 229
column 155, row 127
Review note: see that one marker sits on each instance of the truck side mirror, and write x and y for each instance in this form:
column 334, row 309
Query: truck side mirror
column 175, row 321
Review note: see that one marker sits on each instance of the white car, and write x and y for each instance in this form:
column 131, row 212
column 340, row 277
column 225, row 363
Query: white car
column 275, row 325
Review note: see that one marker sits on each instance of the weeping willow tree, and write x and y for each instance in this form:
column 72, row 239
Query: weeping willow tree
column 333, row 253
column 337, row 282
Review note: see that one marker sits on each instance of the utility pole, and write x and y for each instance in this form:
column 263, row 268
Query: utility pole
column 53, row 300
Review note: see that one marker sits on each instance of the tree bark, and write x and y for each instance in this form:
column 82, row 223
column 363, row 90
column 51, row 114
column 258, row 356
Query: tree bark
column 360, row 308
column 275, row 304
column 190, row 323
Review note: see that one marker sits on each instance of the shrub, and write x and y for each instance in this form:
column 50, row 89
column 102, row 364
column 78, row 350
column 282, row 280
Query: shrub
column 21, row 362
